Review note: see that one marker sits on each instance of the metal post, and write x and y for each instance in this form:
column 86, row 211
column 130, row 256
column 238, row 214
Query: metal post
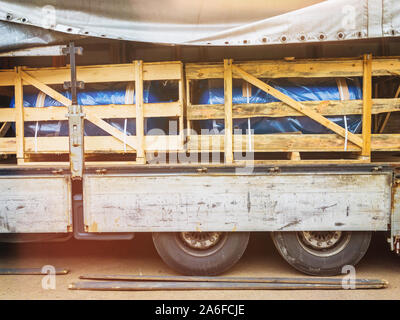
column 75, row 118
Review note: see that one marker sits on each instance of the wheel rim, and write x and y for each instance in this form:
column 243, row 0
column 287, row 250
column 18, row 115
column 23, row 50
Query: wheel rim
column 201, row 244
column 323, row 243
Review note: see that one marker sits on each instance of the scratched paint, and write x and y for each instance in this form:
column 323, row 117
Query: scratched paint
column 34, row 204
column 240, row 203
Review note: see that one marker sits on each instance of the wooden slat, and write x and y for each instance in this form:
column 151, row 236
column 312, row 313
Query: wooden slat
column 331, row 68
column 89, row 115
column 112, row 111
column 281, row 109
column 4, row 128
column 228, row 110
column 19, row 116
column 262, row 143
column 292, row 143
column 140, row 154
column 99, row 73
column 367, row 106
column 298, row 106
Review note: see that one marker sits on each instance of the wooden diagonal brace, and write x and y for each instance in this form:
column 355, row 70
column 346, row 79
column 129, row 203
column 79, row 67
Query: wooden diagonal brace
column 297, row 106
column 66, row 102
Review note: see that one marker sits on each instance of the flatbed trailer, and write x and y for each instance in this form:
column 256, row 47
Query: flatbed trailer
column 320, row 195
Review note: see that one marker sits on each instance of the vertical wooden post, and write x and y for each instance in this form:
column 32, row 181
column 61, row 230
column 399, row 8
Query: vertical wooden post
column 182, row 99
column 367, row 107
column 140, row 154
column 228, row 110
column 19, row 116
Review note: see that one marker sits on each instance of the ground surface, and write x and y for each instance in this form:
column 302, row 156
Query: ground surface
column 139, row 257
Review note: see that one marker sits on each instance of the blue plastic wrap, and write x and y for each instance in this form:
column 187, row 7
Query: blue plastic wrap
column 155, row 91
column 297, row 89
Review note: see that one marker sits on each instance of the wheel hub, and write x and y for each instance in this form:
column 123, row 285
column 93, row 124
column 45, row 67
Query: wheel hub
column 201, row 240
column 323, row 243
column 322, row 240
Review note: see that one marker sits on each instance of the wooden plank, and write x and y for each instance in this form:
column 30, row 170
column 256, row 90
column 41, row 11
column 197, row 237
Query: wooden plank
column 298, row 106
column 19, row 116
column 7, row 114
column 98, row 73
column 231, row 202
column 281, row 109
column 228, row 110
column 367, row 106
column 7, row 77
column 89, row 115
column 140, row 154
column 331, row 68
column 292, row 143
column 182, row 102
column 97, row 144
column 205, row 143
column 112, row 111
column 4, row 128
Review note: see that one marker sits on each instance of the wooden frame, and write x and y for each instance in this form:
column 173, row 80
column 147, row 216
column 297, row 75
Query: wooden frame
column 229, row 143
column 117, row 142
column 362, row 144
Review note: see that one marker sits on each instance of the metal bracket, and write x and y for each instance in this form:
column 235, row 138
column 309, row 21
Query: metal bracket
column 75, row 117
column 76, row 140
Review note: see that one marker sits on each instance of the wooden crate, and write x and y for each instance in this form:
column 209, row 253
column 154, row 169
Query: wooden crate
column 117, row 141
column 30, row 150
column 293, row 144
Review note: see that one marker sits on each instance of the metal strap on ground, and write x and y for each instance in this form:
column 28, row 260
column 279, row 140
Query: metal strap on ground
column 133, row 277
column 162, row 285
column 30, row 271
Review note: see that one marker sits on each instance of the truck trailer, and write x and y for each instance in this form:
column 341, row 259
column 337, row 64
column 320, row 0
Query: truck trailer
column 201, row 132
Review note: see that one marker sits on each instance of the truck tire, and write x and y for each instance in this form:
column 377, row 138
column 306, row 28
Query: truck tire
column 201, row 253
column 322, row 253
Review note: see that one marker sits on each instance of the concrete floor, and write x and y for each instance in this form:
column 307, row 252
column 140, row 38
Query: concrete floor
column 139, row 257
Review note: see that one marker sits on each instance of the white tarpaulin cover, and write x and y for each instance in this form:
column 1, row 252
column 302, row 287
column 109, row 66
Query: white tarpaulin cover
column 27, row 23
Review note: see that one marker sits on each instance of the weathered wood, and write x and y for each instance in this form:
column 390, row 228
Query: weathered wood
column 66, row 102
column 228, row 110
column 206, row 143
column 140, row 155
column 367, row 106
column 298, row 106
column 331, row 68
column 98, row 73
column 35, row 204
column 281, row 109
column 292, row 143
column 98, row 144
column 230, row 202
column 4, row 128
column 113, row 111
column 19, row 116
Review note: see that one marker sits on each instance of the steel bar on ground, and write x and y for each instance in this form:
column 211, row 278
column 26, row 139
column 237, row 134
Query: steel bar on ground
column 30, row 271
column 337, row 281
column 162, row 285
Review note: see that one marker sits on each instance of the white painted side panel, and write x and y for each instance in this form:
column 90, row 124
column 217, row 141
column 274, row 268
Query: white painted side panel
column 34, row 204
column 287, row 202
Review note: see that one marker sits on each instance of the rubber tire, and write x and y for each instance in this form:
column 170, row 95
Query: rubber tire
column 214, row 264
column 291, row 250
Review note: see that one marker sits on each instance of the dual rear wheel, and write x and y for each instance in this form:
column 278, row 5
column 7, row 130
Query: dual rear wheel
column 212, row 253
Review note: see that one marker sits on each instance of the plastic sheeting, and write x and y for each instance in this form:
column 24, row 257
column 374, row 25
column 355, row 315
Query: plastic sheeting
column 297, row 89
column 154, row 91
